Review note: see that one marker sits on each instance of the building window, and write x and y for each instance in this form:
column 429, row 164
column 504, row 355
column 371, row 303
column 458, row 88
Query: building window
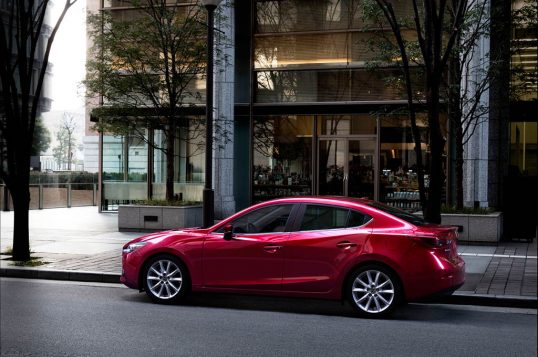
column 188, row 161
column 124, row 172
column 524, row 148
column 282, row 157
column 398, row 161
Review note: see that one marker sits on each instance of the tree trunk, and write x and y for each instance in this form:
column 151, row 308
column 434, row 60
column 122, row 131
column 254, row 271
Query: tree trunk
column 459, row 166
column 20, row 193
column 437, row 144
column 171, row 138
column 456, row 117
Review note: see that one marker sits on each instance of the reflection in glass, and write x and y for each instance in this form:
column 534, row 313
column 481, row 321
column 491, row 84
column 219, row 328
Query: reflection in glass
column 360, row 180
column 124, row 170
column 274, row 86
column 282, row 156
column 361, row 124
column 188, row 161
column 398, row 164
column 331, row 167
column 524, row 148
column 346, row 167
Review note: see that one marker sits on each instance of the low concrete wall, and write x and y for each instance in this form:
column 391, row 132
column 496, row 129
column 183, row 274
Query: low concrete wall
column 157, row 218
column 476, row 227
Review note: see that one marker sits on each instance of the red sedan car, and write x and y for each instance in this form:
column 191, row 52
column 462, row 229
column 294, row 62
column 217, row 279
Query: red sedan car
column 373, row 255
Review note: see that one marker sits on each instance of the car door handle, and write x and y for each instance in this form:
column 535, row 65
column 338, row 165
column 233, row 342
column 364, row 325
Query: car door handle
column 272, row 248
column 346, row 244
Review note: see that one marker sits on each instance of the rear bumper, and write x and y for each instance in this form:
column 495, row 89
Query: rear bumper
column 444, row 277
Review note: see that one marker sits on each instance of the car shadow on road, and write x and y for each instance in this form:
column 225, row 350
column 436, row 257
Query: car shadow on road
column 431, row 312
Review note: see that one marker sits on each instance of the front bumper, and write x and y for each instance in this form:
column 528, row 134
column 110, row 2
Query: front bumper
column 129, row 270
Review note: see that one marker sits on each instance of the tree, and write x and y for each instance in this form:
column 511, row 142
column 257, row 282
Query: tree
column 41, row 138
column 63, row 152
column 437, row 26
column 144, row 68
column 22, row 74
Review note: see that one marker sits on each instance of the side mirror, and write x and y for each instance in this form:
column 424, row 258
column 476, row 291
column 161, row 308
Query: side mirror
column 228, row 232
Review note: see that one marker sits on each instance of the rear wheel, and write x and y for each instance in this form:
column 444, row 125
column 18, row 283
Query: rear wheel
column 374, row 291
column 165, row 279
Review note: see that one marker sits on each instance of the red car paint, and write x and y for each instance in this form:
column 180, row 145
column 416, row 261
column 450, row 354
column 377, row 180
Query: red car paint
column 306, row 263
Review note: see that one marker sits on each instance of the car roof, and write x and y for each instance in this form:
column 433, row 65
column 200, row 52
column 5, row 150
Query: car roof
column 320, row 199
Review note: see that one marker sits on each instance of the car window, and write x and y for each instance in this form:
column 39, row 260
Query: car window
column 264, row 220
column 357, row 218
column 324, row 217
column 318, row 217
column 408, row 217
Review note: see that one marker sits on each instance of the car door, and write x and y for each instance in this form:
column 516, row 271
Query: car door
column 324, row 239
column 253, row 259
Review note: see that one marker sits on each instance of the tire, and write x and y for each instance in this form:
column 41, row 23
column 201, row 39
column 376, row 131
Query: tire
column 166, row 279
column 374, row 291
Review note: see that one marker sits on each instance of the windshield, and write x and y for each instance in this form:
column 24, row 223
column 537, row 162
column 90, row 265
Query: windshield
column 408, row 217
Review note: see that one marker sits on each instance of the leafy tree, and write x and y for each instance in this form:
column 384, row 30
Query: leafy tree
column 41, row 138
column 434, row 31
column 145, row 68
column 64, row 151
column 22, row 24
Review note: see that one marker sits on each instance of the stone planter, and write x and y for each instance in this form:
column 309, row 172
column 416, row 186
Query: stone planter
column 157, row 218
column 476, row 227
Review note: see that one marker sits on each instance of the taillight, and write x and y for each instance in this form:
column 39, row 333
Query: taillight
column 435, row 242
column 443, row 246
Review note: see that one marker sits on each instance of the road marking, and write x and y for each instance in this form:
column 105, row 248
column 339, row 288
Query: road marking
column 499, row 255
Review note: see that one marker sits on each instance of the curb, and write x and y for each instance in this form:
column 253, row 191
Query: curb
column 51, row 274
column 469, row 298
column 458, row 298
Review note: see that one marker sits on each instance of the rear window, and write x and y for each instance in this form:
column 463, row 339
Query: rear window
column 406, row 216
column 318, row 217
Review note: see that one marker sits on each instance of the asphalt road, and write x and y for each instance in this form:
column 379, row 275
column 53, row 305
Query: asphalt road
column 49, row 318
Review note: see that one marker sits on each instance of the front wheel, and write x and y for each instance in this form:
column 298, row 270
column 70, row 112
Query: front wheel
column 374, row 291
column 165, row 279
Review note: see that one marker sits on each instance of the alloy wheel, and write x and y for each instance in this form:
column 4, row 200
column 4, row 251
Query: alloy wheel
column 373, row 291
column 164, row 279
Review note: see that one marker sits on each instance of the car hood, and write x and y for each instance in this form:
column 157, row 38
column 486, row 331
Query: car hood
column 176, row 234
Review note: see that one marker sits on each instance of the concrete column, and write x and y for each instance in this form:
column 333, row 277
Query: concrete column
column 476, row 176
column 223, row 173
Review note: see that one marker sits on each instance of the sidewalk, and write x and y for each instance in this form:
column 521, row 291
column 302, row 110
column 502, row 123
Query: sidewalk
column 83, row 245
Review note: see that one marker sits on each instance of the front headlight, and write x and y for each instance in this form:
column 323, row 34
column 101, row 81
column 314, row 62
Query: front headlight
column 133, row 246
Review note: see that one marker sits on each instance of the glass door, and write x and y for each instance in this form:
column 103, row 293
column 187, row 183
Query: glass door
column 347, row 167
column 360, row 177
column 332, row 163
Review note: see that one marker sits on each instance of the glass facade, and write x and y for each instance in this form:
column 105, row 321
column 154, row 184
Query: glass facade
column 124, row 171
column 134, row 168
column 524, row 148
column 282, row 156
column 308, row 52
column 319, row 51
column 339, row 155
column 128, row 162
column 398, row 161
column 324, row 133
column 188, row 162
